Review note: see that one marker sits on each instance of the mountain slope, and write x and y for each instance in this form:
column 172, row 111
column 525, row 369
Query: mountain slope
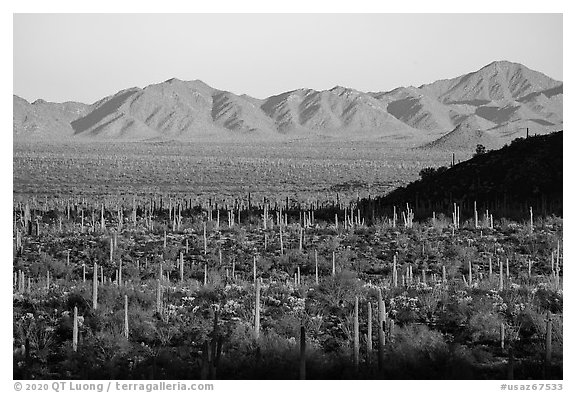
column 44, row 120
column 507, row 94
column 498, row 81
column 240, row 114
column 470, row 132
column 409, row 105
column 331, row 111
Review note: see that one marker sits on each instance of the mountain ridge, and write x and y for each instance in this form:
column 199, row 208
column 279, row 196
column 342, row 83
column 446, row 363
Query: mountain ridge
column 502, row 93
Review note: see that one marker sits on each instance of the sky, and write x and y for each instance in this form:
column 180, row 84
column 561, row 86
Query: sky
column 85, row 57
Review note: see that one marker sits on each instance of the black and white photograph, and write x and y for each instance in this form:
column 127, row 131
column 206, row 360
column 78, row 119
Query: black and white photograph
column 286, row 196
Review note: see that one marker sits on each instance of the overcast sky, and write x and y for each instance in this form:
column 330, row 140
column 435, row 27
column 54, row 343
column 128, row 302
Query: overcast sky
column 84, row 57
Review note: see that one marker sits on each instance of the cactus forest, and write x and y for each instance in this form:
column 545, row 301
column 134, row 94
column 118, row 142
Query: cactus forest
column 278, row 266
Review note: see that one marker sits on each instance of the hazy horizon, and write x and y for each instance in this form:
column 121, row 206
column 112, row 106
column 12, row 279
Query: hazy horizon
column 71, row 57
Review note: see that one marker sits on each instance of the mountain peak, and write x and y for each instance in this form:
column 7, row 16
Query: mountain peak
column 502, row 63
column 342, row 90
column 504, row 66
column 195, row 82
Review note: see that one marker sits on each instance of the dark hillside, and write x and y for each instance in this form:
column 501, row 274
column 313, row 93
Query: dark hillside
column 528, row 172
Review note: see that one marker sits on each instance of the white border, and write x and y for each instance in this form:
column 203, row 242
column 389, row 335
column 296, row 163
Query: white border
column 300, row 6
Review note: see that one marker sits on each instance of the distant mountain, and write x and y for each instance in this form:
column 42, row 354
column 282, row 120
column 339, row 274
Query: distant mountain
column 468, row 133
column 500, row 98
column 411, row 106
column 335, row 110
column 499, row 81
column 45, row 120
column 173, row 109
column 526, row 173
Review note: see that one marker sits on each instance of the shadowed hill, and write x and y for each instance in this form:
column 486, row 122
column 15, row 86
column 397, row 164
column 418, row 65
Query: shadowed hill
column 528, row 172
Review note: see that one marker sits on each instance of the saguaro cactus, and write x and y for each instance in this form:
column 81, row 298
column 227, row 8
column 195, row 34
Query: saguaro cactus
column 95, row 287
column 333, row 263
column 548, row 346
column 316, row 265
column 102, row 221
column 475, row 216
column 369, row 335
column 205, row 239
column 120, row 273
column 159, row 297
column 501, row 278
column 281, row 242
column 75, row 330
column 257, row 312
column 126, row 330
column 381, row 329
column 395, row 273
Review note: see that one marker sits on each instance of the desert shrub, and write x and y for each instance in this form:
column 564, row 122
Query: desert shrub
column 340, row 289
column 416, row 353
column 548, row 299
column 484, row 326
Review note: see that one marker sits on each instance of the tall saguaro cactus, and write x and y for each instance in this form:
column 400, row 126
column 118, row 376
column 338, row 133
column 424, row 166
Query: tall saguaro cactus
column 501, row 281
column 316, row 265
column 181, row 266
column 126, row 329
column 102, row 221
column 548, row 346
column 257, row 312
column 281, row 242
column 369, row 335
column 381, row 330
column 333, row 263
column 205, row 239
column 159, row 296
column 75, row 330
column 95, row 287
column 120, row 273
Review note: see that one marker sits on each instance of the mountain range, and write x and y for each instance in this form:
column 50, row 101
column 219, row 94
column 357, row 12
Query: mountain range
column 491, row 106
